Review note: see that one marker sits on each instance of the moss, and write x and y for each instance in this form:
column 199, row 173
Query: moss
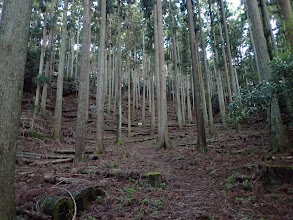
column 35, row 134
column 60, row 208
column 154, row 178
column 120, row 143
column 81, row 202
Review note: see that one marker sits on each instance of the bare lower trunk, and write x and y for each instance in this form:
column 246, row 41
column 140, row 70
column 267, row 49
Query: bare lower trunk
column 100, row 84
column 163, row 136
column 201, row 138
column 59, row 95
column 82, row 90
column 14, row 35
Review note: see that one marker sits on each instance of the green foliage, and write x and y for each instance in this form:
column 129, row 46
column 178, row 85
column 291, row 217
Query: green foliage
column 248, row 100
column 36, row 135
column 41, row 80
column 282, row 67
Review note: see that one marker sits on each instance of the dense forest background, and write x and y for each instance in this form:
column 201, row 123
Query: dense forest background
column 130, row 99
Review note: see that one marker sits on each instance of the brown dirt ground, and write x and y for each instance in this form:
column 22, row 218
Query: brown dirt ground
column 226, row 183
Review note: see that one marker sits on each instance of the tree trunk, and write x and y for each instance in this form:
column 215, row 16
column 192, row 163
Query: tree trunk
column 176, row 72
column 82, row 90
column 233, row 80
column 286, row 10
column 100, row 83
column 14, row 35
column 48, row 59
column 225, row 58
column 144, row 79
column 163, row 136
column 201, row 137
column 118, row 75
column 207, row 74
column 59, row 95
column 279, row 141
column 268, row 23
column 41, row 65
column 218, row 72
column 157, row 69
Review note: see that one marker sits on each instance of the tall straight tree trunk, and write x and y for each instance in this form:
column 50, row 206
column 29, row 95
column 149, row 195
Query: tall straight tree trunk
column 233, row 80
column 76, row 58
column 217, row 71
column 225, row 59
column 253, row 46
column 59, row 95
column 118, row 75
column 144, row 79
column 163, row 136
column 41, row 65
column 207, row 74
column 201, row 137
column 157, row 68
column 82, row 89
column 100, row 83
column 286, row 10
column 14, row 36
column 48, row 59
column 176, row 72
column 189, row 111
column 72, row 56
column 267, row 18
column 279, row 141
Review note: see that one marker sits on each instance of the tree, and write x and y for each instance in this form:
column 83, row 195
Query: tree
column 100, row 83
column 279, row 140
column 163, row 135
column 118, row 77
column 286, row 10
column 175, row 69
column 207, row 73
column 201, row 137
column 59, row 95
column 82, row 89
column 14, row 35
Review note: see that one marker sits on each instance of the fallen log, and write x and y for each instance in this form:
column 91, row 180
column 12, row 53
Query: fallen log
column 81, row 201
column 69, row 151
column 120, row 174
column 43, row 156
column 59, row 208
column 53, row 161
column 142, row 140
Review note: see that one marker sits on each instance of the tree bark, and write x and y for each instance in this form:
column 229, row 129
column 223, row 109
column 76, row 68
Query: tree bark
column 82, row 90
column 100, row 83
column 119, row 140
column 217, row 71
column 207, row 74
column 59, row 95
column 176, row 72
column 48, row 59
column 286, row 10
column 201, row 137
column 163, row 135
column 279, row 141
column 14, row 35
column 157, row 69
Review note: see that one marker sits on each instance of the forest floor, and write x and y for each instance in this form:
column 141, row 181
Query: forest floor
column 228, row 182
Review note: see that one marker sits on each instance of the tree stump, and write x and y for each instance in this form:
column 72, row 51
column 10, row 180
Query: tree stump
column 282, row 174
column 154, row 178
column 60, row 208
